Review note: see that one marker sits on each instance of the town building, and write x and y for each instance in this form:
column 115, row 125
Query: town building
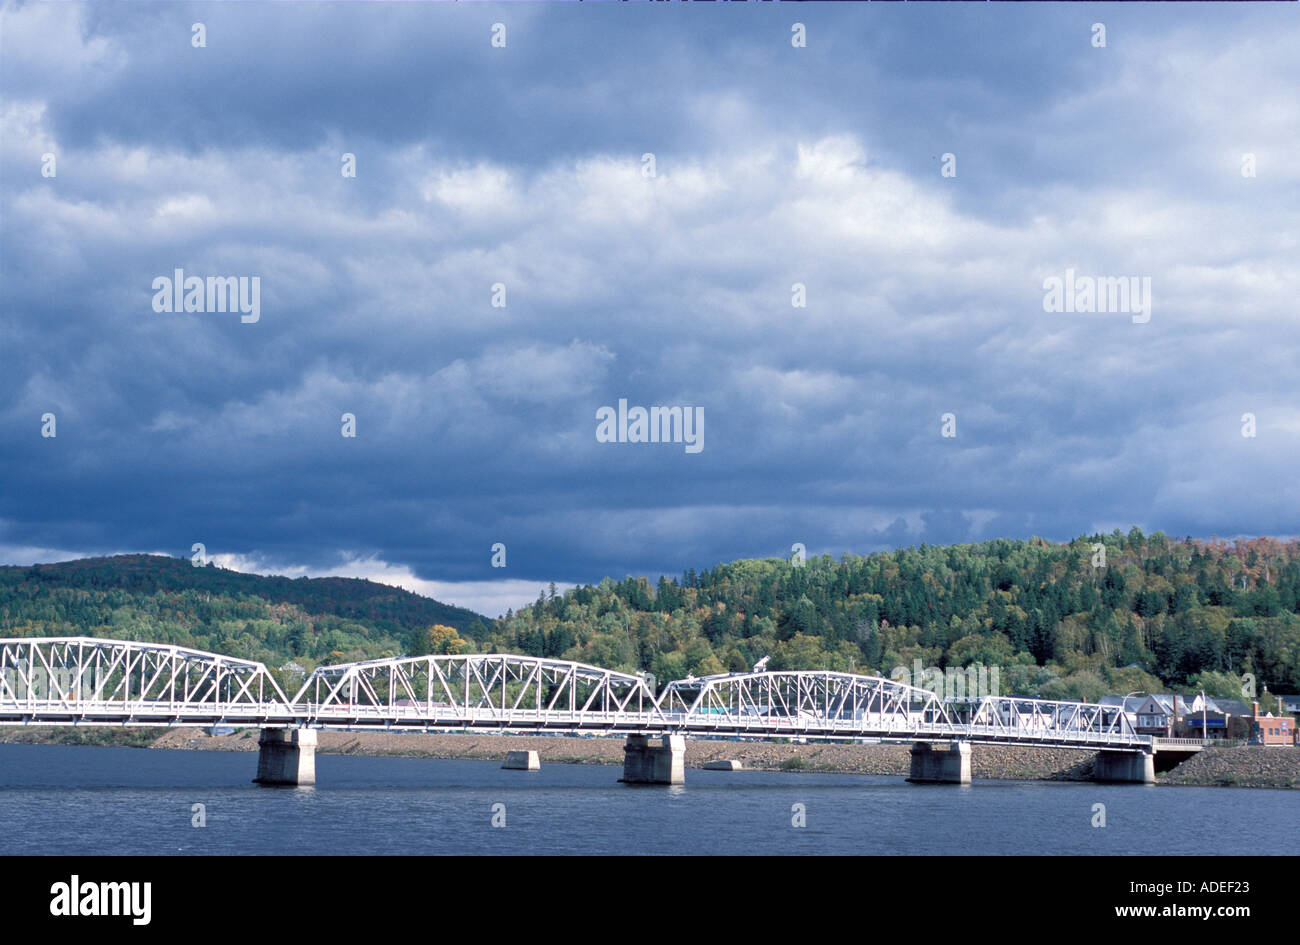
column 1129, row 705
column 1160, row 713
column 1272, row 729
column 1221, row 719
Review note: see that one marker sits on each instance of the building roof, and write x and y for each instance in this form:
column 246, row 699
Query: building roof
column 1169, row 702
column 1230, row 706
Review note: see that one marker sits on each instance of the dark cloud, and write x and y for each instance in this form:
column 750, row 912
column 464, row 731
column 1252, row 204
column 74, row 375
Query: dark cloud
column 522, row 166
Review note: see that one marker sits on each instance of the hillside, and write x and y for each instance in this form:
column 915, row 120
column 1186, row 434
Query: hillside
column 1161, row 613
column 272, row 619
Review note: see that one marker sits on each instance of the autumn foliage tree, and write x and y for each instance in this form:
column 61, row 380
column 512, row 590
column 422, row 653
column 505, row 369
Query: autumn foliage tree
column 440, row 640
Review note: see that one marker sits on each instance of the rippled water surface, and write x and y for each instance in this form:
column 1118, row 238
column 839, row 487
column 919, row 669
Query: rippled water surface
column 85, row 800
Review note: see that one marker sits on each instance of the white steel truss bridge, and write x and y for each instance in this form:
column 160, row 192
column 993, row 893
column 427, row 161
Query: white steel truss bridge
column 491, row 690
column 89, row 681
column 828, row 705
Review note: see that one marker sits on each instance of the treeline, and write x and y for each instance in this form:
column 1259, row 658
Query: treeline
column 276, row 620
column 1103, row 614
column 390, row 608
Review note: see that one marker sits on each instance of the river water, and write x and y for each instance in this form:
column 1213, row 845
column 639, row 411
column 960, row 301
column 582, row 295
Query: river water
column 95, row 801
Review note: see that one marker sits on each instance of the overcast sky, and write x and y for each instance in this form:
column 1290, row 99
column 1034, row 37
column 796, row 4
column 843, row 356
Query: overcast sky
column 523, row 165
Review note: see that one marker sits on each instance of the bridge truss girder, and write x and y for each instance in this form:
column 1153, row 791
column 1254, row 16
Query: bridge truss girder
column 54, row 680
column 810, row 702
column 485, row 689
column 1001, row 718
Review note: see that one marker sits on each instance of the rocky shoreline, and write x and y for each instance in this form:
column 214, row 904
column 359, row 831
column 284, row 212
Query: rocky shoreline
column 1219, row 767
column 1238, row 767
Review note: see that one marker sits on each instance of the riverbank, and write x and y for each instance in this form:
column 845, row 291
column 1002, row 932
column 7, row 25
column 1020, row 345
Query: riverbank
column 1217, row 767
column 1245, row 766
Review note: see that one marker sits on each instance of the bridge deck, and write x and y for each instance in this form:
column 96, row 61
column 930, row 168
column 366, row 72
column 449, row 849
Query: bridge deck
column 38, row 712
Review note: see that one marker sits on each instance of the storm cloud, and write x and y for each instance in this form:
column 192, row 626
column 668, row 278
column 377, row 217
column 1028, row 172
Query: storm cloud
column 519, row 174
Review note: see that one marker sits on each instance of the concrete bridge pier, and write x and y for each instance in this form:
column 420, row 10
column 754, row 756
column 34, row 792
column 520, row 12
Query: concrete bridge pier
column 940, row 764
column 286, row 756
column 644, row 763
column 522, row 761
column 1131, row 767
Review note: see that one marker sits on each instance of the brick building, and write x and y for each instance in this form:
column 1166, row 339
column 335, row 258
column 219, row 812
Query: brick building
column 1271, row 729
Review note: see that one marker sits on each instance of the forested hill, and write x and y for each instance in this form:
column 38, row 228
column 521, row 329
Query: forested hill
column 1160, row 612
column 272, row 619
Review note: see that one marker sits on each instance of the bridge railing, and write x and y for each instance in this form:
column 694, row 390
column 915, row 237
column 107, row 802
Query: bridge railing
column 1162, row 742
column 116, row 710
column 452, row 716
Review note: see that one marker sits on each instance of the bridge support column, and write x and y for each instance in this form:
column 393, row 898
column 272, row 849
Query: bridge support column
column 644, row 763
column 1131, row 767
column 939, row 764
column 522, row 761
column 286, row 756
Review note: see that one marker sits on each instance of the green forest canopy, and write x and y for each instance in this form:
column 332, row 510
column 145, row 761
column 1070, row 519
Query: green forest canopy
column 1161, row 614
